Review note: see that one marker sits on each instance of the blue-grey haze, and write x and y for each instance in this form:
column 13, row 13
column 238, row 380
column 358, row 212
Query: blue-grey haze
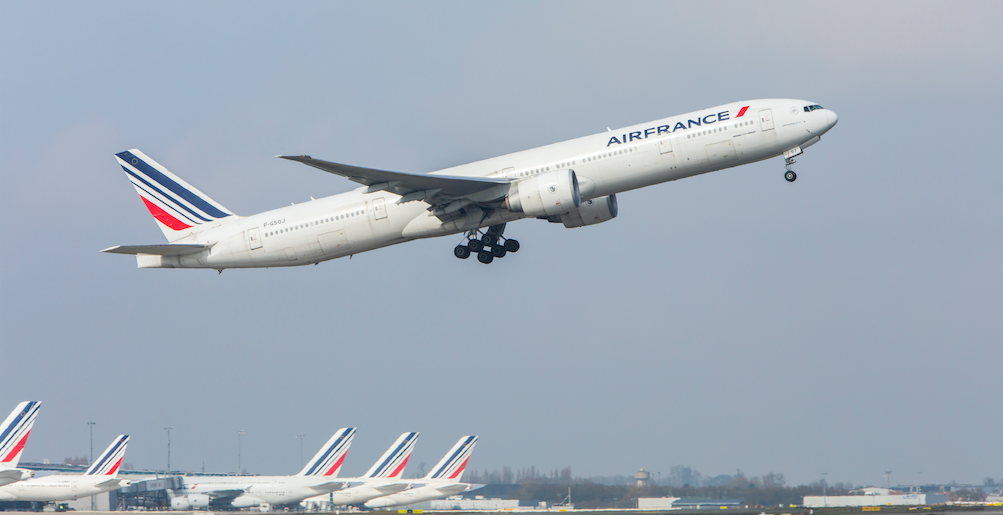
column 849, row 323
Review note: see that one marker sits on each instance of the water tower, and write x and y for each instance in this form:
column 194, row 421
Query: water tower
column 642, row 478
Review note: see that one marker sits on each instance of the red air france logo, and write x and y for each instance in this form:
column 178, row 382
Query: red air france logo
column 741, row 112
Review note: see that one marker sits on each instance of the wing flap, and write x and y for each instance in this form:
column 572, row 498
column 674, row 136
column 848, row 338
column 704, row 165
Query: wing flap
column 404, row 182
column 162, row 250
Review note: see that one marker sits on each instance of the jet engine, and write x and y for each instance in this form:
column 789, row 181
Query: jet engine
column 190, row 502
column 246, row 501
column 591, row 212
column 548, row 194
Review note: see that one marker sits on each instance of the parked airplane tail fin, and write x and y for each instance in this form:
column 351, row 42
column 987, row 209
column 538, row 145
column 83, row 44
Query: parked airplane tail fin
column 391, row 464
column 455, row 461
column 328, row 460
column 178, row 207
column 111, row 459
column 14, row 432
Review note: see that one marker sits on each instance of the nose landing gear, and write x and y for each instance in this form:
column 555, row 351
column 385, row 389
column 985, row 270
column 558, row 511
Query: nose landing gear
column 491, row 245
column 789, row 161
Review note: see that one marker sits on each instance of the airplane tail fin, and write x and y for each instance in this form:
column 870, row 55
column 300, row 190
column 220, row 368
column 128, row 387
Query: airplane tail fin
column 391, row 464
column 328, row 460
column 178, row 207
column 111, row 459
column 14, row 432
column 455, row 461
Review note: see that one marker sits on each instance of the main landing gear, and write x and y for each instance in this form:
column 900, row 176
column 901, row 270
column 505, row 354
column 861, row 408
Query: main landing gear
column 491, row 245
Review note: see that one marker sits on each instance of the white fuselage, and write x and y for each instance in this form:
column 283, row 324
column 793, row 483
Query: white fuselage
column 605, row 163
column 428, row 492
column 261, row 489
column 57, row 488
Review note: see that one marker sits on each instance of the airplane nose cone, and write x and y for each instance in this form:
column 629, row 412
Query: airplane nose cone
column 830, row 116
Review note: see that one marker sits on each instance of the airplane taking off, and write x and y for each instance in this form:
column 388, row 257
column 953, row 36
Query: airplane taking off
column 574, row 182
column 13, row 435
column 228, row 492
column 383, row 478
column 442, row 481
column 102, row 476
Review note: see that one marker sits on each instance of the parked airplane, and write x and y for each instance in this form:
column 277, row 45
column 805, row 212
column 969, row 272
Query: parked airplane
column 383, row 478
column 442, row 481
column 574, row 183
column 13, row 435
column 102, row 476
column 227, row 492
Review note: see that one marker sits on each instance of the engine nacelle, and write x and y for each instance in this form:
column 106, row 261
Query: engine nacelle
column 591, row 212
column 548, row 194
column 190, row 502
column 246, row 501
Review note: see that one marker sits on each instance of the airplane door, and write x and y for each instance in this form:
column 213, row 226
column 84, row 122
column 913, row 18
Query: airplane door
column 766, row 119
column 379, row 209
column 334, row 242
column 254, row 238
column 665, row 145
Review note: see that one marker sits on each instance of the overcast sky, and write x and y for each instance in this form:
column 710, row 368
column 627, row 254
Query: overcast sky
column 849, row 323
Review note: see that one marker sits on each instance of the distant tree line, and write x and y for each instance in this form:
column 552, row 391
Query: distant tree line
column 621, row 491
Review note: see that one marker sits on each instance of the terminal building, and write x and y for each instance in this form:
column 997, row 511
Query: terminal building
column 686, row 503
column 819, row 501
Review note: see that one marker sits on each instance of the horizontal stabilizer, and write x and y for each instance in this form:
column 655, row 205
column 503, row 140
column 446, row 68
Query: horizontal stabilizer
column 112, row 482
column 161, row 250
column 329, row 486
column 404, row 182
column 390, row 489
column 11, row 475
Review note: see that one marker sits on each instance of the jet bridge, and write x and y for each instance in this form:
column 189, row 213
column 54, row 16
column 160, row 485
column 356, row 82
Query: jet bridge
column 146, row 493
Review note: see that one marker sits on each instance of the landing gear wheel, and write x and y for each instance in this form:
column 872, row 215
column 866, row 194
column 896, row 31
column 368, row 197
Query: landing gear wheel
column 790, row 176
column 461, row 251
column 511, row 246
column 485, row 257
column 489, row 240
column 475, row 245
column 498, row 251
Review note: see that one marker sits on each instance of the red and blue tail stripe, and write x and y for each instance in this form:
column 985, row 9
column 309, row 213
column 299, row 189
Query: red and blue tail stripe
column 392, row 463
column 172, row 202
column 111, row 459
column 15, row 430
column 455, row 461
column 327, row 461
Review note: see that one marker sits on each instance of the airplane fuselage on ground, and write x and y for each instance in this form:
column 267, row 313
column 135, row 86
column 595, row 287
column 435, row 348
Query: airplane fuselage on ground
column 604, row 164
column 255, row 490
column 57, row 488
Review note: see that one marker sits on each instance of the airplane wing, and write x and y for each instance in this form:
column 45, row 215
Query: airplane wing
column 220, row 495
column 412, row 186
column 163, row 250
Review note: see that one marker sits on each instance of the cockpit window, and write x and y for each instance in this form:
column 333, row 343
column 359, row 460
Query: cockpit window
column 809, row 109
